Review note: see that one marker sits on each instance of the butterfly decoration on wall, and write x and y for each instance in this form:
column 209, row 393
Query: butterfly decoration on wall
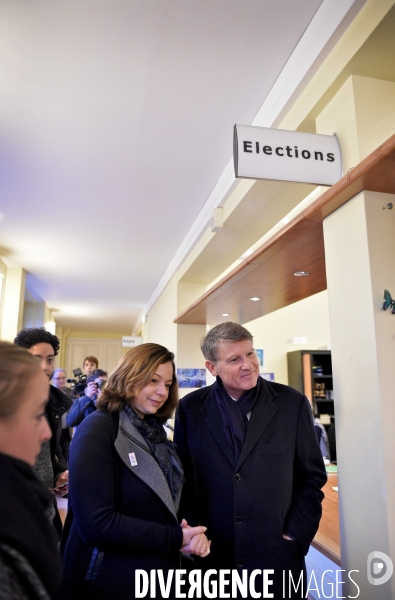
column 388, row 302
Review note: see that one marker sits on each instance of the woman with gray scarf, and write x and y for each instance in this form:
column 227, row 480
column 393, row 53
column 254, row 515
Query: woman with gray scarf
column 125, row 484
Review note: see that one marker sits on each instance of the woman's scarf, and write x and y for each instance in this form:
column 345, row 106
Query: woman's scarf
column 234, row 413
column 162, row 449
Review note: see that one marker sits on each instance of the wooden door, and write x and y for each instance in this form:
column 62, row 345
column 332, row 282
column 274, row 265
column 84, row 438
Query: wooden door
column 108, row 353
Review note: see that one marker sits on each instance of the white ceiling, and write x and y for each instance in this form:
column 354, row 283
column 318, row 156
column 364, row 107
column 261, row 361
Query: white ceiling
column 116, row 122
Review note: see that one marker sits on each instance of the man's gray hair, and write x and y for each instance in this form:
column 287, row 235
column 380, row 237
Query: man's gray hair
column 228, row 332
column 57, row 371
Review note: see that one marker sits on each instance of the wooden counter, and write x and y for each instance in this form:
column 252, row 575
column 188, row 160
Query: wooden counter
column 327, row 539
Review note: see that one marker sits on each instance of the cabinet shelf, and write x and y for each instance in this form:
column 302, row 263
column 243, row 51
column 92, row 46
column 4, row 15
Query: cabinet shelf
column 302, row 376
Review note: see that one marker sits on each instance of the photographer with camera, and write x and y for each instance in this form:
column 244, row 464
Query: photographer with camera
column 84, row 406
column 78, row 384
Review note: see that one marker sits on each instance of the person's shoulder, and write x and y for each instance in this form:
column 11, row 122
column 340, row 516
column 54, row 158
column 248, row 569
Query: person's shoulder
column 15, row 469
column 18, row 578
column 99, row 423
column 59, row 399
column 82, row 400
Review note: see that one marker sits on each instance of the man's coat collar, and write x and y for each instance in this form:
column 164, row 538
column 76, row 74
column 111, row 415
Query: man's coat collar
column 261, row 415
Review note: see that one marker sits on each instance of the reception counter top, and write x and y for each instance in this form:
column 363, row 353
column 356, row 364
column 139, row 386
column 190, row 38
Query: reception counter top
column 327, row 539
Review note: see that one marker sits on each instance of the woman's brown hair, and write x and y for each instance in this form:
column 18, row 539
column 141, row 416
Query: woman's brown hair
column 17, row 368
column 133, row 372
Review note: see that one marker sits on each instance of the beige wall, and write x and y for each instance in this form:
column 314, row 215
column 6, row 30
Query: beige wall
column 3, row 275
column 13, row 293
column 364, row 378
column 159, row 327
column 38, row 314
column 363, row 115
column 359, row 249
column 274, row 332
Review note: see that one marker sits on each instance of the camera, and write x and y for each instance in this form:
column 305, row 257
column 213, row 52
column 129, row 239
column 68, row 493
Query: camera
column 78, row 384
column 100, row 384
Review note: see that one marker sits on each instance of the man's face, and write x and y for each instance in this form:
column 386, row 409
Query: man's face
column 59, row 380
column 237, row 365
column 89, row 367
column 46, row 354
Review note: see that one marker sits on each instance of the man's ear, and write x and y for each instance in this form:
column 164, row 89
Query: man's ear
column 211, row 367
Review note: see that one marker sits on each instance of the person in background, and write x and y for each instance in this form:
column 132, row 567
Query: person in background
column 252, row 464
column 322, row 437
column 90, row 364
column 84, row 406
column 59, row 380
column 125, row 484
column 30, row 566
column 50, row 466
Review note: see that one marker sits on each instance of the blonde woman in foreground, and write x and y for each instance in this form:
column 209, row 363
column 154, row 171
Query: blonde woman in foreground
column 29, row 559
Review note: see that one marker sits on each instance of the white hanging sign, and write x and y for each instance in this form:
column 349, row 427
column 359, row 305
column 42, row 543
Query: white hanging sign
column 263, row 153
column 129, row 341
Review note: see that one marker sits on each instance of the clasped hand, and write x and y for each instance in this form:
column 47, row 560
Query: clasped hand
column 194, row 540
column 61, row 486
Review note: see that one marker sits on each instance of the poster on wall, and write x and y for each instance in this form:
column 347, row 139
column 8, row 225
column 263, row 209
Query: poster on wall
column 191, row 378
column 267, row 376
column 261, row 355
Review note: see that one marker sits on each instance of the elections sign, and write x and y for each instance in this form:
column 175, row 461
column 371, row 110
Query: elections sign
column 263, row 153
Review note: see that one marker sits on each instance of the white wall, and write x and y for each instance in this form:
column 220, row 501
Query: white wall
column 307, row 318
column 159, row 327
column 359, row 249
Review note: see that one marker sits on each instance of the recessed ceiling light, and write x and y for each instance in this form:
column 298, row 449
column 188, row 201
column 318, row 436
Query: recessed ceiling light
column 301, row 273
column 226, row 314
column 255, row 298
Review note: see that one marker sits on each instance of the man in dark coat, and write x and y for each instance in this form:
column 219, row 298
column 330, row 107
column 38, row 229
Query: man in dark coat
column 252, row 464
column 51, row 467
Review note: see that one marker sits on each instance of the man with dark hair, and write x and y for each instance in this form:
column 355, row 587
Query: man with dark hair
column 252, row 465
column 51, row 466
column 84, row 406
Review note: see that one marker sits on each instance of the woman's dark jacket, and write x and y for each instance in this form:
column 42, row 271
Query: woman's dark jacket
column 29, row 558
column 58, row 404
column 124, row 517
